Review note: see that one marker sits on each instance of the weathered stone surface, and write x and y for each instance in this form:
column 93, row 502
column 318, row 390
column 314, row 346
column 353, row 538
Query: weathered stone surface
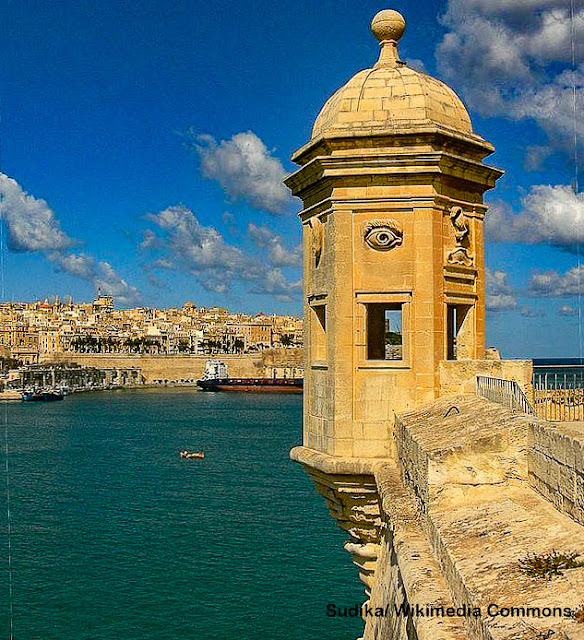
column 408, row 571
column 480, row 545
column 555, row 462
column 459, row 442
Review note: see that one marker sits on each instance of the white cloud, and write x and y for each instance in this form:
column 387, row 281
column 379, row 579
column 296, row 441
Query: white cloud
column 506, row 6
column 33, row 227
column 535, row 156
column 529, row 312
column 277, row 253
column 550, row 214
column 244, row 168
column 499, row 292
column 552, row 284
column 198, row 247
column 163, row 263
column 216, row 264
column 109, row 283
column 567, row 310
column 75, row 264
column 512, row 58
column 100, row 274
column 31, row 224
column 417, row 64
column 551, row 105
column 273, row 282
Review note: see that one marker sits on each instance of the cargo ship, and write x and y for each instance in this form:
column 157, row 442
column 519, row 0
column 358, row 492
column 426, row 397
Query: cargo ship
column 216, row 378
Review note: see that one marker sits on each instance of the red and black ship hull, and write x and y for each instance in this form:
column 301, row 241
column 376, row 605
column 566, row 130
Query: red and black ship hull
column 254, row 385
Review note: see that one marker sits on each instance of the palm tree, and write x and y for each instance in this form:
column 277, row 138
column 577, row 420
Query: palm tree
column 286, row 340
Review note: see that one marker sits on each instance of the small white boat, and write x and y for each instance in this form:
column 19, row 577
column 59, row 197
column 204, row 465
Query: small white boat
column 192, row 454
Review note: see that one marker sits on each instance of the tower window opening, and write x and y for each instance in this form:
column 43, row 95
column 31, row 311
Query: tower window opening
column 384, row 332
column 456, row 314
column 318, row 330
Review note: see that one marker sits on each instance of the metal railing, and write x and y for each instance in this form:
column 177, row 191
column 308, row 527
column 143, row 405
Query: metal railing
column 559, row 397
column 548, row 380
column 505, row 392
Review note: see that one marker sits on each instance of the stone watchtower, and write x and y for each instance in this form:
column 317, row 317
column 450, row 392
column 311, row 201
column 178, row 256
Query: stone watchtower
column 432, row 482
column 392, row 182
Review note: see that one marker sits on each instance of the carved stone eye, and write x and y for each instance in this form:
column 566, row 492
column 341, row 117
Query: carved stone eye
column 383, row 235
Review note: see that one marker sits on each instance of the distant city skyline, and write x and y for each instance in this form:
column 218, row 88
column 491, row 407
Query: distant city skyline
column 143, row 148
column 55, row 299
column 33, row 332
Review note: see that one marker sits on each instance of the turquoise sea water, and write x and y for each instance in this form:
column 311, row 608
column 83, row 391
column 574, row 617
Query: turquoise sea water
column 115, row 537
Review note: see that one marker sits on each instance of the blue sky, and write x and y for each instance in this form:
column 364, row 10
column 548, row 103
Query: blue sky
column 143, row 146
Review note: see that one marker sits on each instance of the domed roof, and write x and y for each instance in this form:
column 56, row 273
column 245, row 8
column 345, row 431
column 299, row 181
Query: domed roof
column 391, row 96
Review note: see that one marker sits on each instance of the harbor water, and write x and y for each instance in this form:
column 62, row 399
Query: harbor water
column 115, row 536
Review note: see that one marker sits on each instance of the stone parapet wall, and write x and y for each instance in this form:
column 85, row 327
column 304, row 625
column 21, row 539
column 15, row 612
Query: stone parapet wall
column 556, row 465
column 447, row 524
column 477, row 443
column 458, row 496
column 459, row 376
column 408, row 572
column 280, row 356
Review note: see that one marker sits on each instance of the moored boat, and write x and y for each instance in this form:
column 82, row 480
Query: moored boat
column 51, row 396
column 46, row 396
column 31, row 396
column 215, row 378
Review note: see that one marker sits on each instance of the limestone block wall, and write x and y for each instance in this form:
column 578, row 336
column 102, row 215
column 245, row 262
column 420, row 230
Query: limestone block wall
column 479, row 443
column 459, row 376
column 389, row 589
column 185, row 367
column 458, row 516
column 408, row 573
column 317, row 411
column 556, row 465
column 281, row 356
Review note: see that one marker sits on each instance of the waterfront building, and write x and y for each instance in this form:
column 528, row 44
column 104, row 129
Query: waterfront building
column 36, row 331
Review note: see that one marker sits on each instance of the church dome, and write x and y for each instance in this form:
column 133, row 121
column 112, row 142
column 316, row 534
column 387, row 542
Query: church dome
column 391, row 97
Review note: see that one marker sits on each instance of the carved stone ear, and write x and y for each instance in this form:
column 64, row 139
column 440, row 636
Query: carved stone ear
column 383, row 235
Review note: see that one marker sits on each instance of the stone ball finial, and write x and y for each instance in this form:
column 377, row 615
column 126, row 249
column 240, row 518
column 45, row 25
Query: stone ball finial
column 388, row 24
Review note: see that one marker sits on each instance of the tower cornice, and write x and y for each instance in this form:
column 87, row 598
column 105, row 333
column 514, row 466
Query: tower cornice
column 368, row 163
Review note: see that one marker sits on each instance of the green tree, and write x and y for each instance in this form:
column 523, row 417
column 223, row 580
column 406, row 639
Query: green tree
column 286, row 340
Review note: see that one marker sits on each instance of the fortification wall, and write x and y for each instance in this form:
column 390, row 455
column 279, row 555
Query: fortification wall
column 441, row 534
column 556, row 465
column 176, row 368
column 460, row 518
